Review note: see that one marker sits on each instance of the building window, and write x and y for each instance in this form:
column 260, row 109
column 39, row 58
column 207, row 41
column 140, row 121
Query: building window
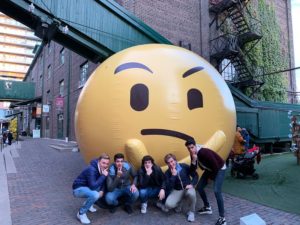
column 185, row 44
column 41, row 81
column 48, row 98
column 49, row 48
column 228, row 71
column 61, row 88
column 83, row 73
column 62, row 56
column 49, row 71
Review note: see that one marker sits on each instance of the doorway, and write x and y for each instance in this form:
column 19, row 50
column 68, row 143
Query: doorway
column 60, row 126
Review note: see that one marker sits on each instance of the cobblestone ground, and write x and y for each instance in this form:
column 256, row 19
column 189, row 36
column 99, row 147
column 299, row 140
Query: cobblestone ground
column 40, row 193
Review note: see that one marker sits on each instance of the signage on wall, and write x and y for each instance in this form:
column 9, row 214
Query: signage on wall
column 46, row 108
column 8, row 85
column 59, row 103
column 38, row 111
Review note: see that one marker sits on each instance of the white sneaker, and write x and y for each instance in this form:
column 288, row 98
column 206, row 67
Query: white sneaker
column 144, row 208
column 191, row 216
column 92, row 209
column 83, row 218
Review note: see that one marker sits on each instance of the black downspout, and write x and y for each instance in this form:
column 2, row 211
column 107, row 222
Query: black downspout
column 68, row 96
column 43, row 79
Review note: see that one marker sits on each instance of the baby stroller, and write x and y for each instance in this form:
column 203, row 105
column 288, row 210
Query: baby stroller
column 243, row 165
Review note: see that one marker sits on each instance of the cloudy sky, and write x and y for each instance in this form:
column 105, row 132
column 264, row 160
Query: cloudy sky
column 296, row 31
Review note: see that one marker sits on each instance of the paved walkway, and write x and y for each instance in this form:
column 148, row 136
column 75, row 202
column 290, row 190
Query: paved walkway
column 40, row 194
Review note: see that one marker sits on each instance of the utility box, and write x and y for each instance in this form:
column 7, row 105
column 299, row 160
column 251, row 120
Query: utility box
column 252, row 219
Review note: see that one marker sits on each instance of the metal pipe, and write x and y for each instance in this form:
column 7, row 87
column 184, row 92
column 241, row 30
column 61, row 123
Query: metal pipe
column 68, row 96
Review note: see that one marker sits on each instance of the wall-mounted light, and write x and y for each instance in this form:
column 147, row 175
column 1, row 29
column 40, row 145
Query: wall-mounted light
column 31, row 8
column 65, row 29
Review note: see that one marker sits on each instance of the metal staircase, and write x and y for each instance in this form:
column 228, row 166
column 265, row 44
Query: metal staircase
column 231, row 44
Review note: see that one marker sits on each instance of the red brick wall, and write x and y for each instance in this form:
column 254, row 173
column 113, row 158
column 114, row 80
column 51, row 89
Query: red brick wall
column 176, row 20
column 283, row 15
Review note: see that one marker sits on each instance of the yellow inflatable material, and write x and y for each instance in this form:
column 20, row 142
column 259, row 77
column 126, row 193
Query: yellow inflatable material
column 149, row 99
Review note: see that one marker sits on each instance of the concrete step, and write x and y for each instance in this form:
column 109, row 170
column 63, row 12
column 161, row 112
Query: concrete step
column 64, row 146
column 14, row 153
column 9, row 162
column 5, row 213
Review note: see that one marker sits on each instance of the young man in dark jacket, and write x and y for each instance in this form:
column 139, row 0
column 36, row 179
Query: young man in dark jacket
column 181, row 185
column 151, row 182
column 214, row 168
column 119, row 184
column 90, row 184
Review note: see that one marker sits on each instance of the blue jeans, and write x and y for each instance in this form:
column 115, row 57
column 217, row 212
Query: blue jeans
column 112, row 197
column 85, row 192
column 149, row 192
column 218, row 182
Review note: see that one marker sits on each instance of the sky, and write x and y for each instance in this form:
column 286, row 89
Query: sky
column 296, row 31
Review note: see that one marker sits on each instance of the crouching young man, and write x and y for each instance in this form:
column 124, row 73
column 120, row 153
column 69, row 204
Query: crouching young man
column 90, row 184
column 119, row 184
column 181, row 179
column 151, row 182
column 214, row 169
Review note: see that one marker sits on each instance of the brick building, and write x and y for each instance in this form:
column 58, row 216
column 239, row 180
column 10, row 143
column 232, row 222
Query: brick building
column 60, row 73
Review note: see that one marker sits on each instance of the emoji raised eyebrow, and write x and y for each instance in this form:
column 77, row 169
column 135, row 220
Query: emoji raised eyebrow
column 131, row 65
column 192, row 71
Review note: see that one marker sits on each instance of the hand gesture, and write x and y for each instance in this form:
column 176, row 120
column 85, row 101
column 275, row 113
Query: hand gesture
column 101, row 193
column 133, row 188
column 119, row 172
column 161, row 194
column 189, row 186
column 149, row 170
column 105, row 172
column 174, row 171
column 194, row 158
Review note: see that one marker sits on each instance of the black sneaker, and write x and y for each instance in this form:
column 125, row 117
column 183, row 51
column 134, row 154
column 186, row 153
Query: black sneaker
column 221, row 221
column 128, row 209
column 205, row 210
column 112, row 209
column 102, row 204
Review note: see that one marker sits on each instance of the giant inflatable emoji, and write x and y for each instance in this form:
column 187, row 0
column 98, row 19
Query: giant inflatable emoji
column 149, row 99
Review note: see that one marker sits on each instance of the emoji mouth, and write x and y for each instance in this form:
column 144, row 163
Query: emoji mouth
column 165, row 132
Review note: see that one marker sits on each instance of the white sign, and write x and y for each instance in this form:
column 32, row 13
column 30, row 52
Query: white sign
column 36, row 133
column 46, row 108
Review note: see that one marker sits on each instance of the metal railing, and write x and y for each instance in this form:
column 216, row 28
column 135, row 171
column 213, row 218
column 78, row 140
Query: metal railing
column 224, row 44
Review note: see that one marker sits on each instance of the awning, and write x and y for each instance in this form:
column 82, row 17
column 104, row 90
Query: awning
column 20, row 103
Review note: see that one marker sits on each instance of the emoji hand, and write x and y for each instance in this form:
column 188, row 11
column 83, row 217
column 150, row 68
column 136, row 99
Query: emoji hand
column 135, row 150
column 216, row 141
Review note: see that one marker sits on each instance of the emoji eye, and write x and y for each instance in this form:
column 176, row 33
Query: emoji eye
column 139, row 97
column 195, row 99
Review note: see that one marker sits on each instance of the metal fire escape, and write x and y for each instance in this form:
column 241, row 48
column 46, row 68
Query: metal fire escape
column 237, row 34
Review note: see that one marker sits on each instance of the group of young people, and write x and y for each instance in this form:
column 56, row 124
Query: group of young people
column 102, row 183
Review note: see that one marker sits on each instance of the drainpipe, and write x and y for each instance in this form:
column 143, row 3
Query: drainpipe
column 290, row 50
column 201, row 38
column 68, row 97
column 43, row 79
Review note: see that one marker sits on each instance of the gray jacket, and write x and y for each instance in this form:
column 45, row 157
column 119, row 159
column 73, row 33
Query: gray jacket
column 113, row 181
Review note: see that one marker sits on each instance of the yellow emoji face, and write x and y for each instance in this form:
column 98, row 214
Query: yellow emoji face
column 150, row 99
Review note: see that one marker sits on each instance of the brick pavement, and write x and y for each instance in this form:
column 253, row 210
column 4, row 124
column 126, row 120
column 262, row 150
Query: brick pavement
column 40, row 194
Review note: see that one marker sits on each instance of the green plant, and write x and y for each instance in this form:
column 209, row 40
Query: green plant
column 268, row 54
column 13, row 127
